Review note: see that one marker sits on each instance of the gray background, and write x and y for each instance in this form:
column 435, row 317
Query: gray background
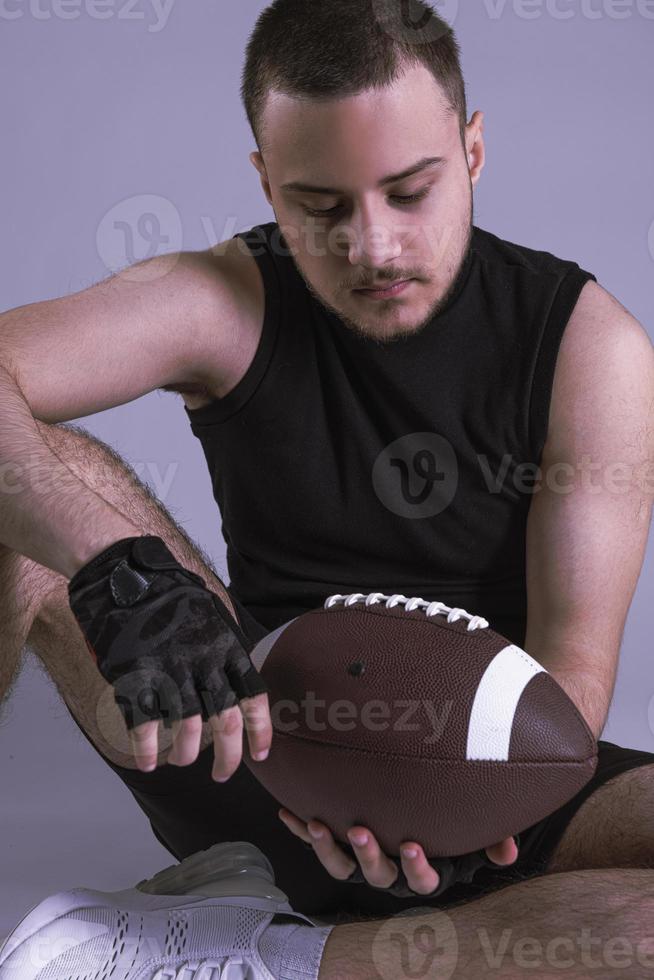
column 100, row 114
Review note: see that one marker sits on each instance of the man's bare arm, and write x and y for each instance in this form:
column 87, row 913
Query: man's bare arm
column 106, row 346
column 588, row 524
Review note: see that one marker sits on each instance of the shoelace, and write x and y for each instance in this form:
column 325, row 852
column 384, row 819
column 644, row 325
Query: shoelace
column 225, row 968
column 431, row 608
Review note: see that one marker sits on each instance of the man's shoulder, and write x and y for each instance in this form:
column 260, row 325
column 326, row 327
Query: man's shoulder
column 600, row 321
column 228, row 293
column 605, row 357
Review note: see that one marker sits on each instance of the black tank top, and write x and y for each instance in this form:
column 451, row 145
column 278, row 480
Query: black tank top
column 341, row 466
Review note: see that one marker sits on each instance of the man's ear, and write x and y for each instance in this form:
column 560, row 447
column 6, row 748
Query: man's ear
column 475, row 148
column 257, row 162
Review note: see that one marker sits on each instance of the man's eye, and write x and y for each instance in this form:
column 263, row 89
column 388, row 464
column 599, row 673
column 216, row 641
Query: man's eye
column 404, row 201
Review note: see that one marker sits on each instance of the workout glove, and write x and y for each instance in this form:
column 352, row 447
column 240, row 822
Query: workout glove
column 451, row 871
column 169, row 647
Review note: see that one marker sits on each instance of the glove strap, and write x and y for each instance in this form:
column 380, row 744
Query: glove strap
column 151, row 552
column 120, row 549
column 147, row 551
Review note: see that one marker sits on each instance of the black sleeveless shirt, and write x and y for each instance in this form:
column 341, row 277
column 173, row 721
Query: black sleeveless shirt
column 343, row 466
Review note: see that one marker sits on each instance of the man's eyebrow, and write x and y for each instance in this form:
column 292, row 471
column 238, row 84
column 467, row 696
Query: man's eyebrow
column 303, row 188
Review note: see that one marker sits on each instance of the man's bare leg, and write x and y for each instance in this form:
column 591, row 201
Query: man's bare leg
column 577, row 925
column 34, row 608
column 22, row 584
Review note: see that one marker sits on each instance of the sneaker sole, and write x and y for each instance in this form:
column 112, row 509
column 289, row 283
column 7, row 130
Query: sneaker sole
column 216, row 871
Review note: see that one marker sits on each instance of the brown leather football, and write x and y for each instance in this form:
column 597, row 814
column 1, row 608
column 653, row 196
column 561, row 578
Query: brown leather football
column 418, row 721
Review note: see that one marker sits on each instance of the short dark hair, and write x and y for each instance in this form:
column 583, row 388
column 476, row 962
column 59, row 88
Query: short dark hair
column 326, row 49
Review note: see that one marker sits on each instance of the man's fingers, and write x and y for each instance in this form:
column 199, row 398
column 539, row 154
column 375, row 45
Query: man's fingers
column 187, row 735
column 506, row 852
column 378, row 869
column 227, row 727
column 295, row 825
column 420, row 875
column 258, row 724
column 228, row 742
column 144, row 739
column 331, row 856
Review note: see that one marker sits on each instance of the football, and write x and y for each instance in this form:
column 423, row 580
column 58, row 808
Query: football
column 418, row 721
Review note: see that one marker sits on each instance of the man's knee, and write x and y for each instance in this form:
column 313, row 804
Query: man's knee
column 24, row 585
column 613, row 828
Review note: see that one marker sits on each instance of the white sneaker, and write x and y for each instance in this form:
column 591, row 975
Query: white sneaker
column 198, row 920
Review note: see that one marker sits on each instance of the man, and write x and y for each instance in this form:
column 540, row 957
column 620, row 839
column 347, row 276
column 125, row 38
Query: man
column 309, row 378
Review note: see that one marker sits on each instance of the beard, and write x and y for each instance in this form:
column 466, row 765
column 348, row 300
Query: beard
column 383, row 334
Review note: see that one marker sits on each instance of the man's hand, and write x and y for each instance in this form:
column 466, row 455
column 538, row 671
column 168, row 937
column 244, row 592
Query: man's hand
column 172, row 652
column 377, row 868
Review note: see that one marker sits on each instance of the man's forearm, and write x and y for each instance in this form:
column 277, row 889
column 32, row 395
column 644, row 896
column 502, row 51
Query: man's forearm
column 589, row 695
column 46, row 512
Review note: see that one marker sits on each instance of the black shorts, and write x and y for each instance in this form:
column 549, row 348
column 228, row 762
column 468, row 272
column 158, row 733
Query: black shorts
column 188, row 812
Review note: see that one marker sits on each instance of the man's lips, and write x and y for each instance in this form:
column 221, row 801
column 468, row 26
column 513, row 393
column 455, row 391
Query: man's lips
column 382, row 285
column 388, row 291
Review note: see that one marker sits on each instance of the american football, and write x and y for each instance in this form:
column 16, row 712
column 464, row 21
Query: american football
column 417, row 720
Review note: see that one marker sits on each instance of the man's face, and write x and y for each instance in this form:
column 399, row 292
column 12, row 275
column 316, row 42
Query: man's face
column 351, row 231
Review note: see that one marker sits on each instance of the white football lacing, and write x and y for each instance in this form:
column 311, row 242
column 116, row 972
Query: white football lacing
column 431, row 608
